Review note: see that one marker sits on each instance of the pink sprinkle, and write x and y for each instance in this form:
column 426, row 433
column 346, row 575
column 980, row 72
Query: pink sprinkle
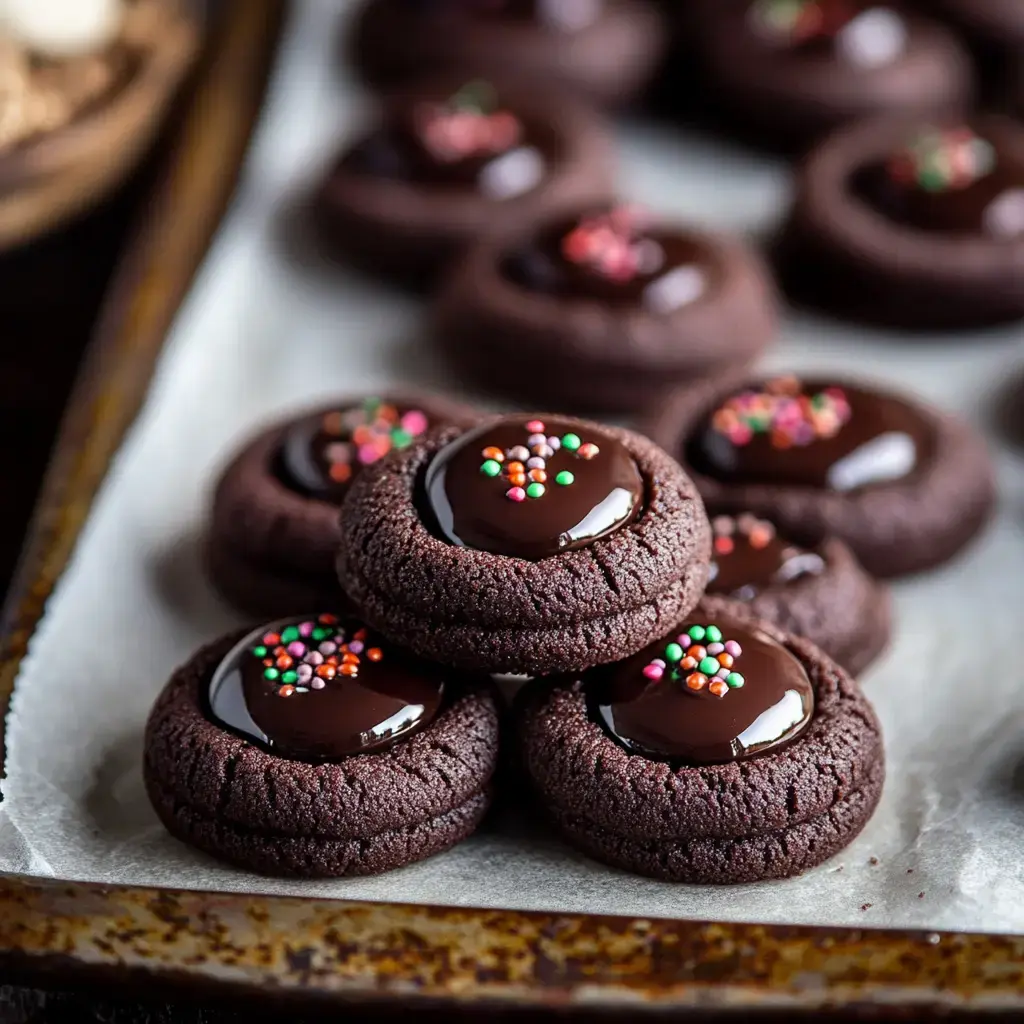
column 715, row 648
column 368, row 453
column 415, row 422
column 658, row 662
column 317, row 684
column 723, row 672
column 296, row 648
column 516, row 494
column 535, row 427
column 315, row 658
column 554, row 443
column 535, row 463
column 268, row 639
column 654, row 671
column 356, row 647
column 305, row 629
column 733, row 648
column 327, row 648
column 304, row 672
column 534, row 439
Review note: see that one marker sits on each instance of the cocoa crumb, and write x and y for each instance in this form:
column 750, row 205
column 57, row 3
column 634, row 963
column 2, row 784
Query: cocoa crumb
column 866, row 906
column 872, row 861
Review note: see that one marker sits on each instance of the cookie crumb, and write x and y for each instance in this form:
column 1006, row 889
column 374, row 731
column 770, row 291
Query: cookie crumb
column 872, row 861
column 920, row 895
column 866, row 906
column 910, row 871
column 840, row 868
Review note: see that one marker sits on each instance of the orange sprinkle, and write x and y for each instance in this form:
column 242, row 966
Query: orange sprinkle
column 360, row 633
column 698, row 652
column 388, row 413
column 284, row 661
column 333, row 423
column 349, row 670
column 759, row 537
column 688, row 664
column 326, row 671
column 340, row 472
column 516, row 467
column 494, row 453
column 719, row 687
column 362, row 435
column 350, row 659
column 696, row 681
column 538, row 476
column 328, row 620
column 286, row 691
column 725, row 659
column 375, row 654
column 724, row 546
column 517, row 479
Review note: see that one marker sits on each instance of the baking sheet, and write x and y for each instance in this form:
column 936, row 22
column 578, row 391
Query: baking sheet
column 267, row 327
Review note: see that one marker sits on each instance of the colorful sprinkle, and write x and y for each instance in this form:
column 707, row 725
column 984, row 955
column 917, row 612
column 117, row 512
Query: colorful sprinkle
column 525, row 467
column 312, row 652
column 701, row 667
column 469, row 124
column 942, row 161
column 782, row 412
column 609, row 245
column 366, row 434
column 794, row 22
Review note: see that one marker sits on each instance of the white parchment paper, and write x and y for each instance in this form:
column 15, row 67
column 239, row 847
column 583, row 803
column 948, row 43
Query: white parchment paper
column 266, row 327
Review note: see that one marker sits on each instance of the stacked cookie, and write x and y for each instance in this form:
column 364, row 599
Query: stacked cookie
column 665, row 732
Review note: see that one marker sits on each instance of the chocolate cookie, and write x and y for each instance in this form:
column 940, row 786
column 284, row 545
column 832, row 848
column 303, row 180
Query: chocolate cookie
column 995, row 30
column 274, row 535
column 312, row 748
column 604, row 309
column 910, row 225
column 529, row 544
column 782, row 73
column 727, row 751
column 605, row 50
column 452, row 160
column 817, row 591
column 903, row 485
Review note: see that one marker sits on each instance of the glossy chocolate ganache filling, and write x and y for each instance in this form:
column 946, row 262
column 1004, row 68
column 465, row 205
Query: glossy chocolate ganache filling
column 322, row 688
column 812, row 435
column 710, row 693
column 531, row 489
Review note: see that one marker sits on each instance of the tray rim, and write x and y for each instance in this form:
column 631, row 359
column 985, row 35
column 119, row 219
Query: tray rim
column 352, row 951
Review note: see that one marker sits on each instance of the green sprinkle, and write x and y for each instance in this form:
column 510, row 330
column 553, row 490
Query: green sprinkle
column 713, row 634
column 564, row 478
column 709, row 666
column 260, row 652
column 372, row 404
column 570, row 442
column 490, row 468
column 535, row 490
column 400, row 437
column 673, row 652
column 289, row 676
column 697, row 633
column 270, row 673
column 931, row 179
column 320, row 633
column 289, row 634
column 734, row 680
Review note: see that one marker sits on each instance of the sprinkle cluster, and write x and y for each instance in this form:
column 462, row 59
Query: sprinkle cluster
column 759, row 533
column 524, row 467
column 469, row 124
column 801, row 21
column 942, row 161
column 366, row 434
column 308, row 656
column 781, row 410
column 703, row 657
column 607, row 244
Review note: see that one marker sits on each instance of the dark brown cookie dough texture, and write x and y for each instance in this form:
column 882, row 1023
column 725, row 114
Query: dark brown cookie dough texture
column 896, row 526
column 526, row 319
column 478, row 610
column 783, row 78
column 239, row 802
column 843, row 253
column 836, row 605
column 770, row 816
column 270, row 546
column 404, row 201
column 608, row 58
